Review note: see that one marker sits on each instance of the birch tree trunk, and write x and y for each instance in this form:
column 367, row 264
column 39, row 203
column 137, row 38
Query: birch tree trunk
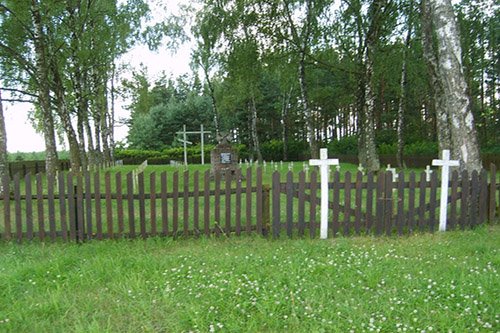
column 214, row 103
column 42, row 69
column 372, row 162
column 255, row 138
column 463, row 131
column 284, row 122
column 401, row 113
column 4, row 165
column 431, row 59
column 309, row 120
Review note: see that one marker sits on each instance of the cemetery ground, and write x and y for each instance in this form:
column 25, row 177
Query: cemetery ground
column 425, row 282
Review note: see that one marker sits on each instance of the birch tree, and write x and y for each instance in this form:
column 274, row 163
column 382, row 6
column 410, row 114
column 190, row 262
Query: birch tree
column 456, row 102
column 4, row 166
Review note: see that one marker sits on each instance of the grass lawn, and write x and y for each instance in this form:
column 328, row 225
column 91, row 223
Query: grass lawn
column 441, row 282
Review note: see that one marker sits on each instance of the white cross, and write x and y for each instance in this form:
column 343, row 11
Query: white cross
column 445, row 163
column 428, row 173
column 393, row 171
column 360, row 168
column 324, row 165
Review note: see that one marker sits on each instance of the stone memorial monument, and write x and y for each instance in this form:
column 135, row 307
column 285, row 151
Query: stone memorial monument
column 223, row 157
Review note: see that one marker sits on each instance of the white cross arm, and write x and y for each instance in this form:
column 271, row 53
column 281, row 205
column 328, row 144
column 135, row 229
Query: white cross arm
column 445, row 162
column 331, row 161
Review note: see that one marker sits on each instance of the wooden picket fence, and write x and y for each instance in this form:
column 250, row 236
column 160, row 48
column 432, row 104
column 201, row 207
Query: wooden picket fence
column 80, row 208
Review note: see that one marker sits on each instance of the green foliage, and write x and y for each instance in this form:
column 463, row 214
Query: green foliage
column 422, row 147
column 386, row 148
column 346, row 146
column 35, row 156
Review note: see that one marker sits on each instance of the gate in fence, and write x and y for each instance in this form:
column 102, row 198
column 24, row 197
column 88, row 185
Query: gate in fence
column 97, row 205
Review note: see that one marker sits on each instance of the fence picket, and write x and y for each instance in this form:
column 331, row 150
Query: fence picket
column 185, row 200
column 401, row 203
column 152, row 191
column 72, row 207
column 109, row 206
column 347, row 204
column 88, row 205
column 388, row 203
column 164, row 204
column 228, row 203
column 492, row 198
column 452, row 222
column 483, row 193
column 312, row 205
column 411, row 203
column 196, row 203
column 98, row 213
column 238, row 203
column 336, row 204
column 370, row 186
column 62, row 208
column 29, row 207
column 248, row 191
column 6, row 206
column 379, row 219
column 217, row 204
column 358, row 203
column 39, row 201
column 52, row 210
column 206, row 203
column 433, row 202
column 259, row 207
column 421, row 208
column 464, row 204
column 130, row 202
column 17, row 200
column 302, row 205
column 289, row 204
column 276, row 205
column 119, row 202
column 142, row 206
column 175, row 205
column 473, row 199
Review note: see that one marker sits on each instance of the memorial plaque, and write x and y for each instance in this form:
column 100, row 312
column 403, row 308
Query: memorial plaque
column 225, row 158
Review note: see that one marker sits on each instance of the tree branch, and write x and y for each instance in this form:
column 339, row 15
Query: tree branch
column 28, row 30
column 16, row 100
column 20, row 60
column 19, row 91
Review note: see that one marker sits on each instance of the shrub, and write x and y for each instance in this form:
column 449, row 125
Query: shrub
column 422, row 147
column 346, row 146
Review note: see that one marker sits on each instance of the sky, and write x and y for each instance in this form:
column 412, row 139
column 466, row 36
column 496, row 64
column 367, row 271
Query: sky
column 21, row 136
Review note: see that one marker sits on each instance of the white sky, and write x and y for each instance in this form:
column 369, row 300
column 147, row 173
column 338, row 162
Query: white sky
column 21, row 136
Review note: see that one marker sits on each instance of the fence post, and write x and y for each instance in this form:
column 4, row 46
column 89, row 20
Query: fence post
column 276, row 205
column 266, row 217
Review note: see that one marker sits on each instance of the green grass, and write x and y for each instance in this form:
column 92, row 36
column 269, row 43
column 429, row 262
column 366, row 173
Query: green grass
column 441, row 282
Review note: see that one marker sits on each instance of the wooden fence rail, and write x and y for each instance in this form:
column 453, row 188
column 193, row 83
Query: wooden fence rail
column 94, row 206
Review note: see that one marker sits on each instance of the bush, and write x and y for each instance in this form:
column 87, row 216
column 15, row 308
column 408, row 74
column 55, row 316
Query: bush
column 346, row 146
column 422, row 147
column 386, row 148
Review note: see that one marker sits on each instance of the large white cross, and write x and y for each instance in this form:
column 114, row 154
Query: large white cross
column 183, row 140
column 445, row 163
column 324, row 165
